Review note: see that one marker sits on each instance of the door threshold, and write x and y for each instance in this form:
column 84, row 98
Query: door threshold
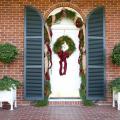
column 65, row 99
column 65, row 102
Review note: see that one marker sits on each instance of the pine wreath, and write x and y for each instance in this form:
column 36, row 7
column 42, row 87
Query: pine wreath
column 63, row 55
column 57, row 47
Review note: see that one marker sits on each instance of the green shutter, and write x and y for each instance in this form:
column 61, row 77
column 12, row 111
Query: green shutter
column 95, row 39
column 33, row 55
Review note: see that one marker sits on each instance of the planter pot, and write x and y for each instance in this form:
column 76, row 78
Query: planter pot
column 116, row 98
column 8, row 96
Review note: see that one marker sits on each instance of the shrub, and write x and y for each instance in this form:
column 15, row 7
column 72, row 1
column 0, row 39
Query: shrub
column 7, row 82
column 88, row 102
column 41, row 103
column 47, row 92
column 115, row 85
column 115, row 56
column 8, row 53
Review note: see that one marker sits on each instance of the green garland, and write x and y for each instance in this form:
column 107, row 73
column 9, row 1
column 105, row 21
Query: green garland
column 66, row 14
column 70, row 14
column 58, row 45
column 82, row 72
column 49, row 21
column 47, row 85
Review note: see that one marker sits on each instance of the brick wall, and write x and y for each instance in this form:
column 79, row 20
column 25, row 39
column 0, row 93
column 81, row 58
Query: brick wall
column 12, row 30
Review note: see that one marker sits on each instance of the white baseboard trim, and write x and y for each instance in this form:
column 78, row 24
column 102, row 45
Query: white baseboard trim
column 62, row 99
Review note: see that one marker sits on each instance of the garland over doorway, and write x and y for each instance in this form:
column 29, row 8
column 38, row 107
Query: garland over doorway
column 69, row 14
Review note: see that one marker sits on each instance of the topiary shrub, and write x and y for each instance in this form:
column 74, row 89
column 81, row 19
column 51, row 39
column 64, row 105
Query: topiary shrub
column 8, row 53
column 7, row 82
column 115, row 56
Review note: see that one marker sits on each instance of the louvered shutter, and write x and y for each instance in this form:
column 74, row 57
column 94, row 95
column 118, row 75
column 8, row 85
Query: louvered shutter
column 33, row 55
column 95, row 55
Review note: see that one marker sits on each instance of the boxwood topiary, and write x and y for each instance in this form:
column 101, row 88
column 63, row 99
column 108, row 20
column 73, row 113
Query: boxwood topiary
column 8, row 53
column 115, row 56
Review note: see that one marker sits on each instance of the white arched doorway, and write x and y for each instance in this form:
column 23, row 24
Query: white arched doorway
column 67, row 85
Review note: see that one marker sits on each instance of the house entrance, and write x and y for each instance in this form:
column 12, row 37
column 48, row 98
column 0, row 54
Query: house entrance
column 67, row 85
column 66, row 77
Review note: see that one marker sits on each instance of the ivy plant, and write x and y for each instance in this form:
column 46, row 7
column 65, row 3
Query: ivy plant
column 6, row 83
column 8, row 53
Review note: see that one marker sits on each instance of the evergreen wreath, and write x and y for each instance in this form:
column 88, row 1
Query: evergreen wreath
column 63, row 55
column 57, row 47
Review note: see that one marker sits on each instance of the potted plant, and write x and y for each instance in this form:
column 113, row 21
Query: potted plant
column 8, row 91
column 115, row 89
column 8, row 53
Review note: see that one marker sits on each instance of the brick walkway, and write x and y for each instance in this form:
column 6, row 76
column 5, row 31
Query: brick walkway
column 61, row 113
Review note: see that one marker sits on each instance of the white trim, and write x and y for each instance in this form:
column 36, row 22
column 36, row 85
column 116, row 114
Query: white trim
column 62, row 99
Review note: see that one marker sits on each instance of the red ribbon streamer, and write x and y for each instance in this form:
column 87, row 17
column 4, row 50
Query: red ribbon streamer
column 63, row 55
column 47, row 76
column 50, row 52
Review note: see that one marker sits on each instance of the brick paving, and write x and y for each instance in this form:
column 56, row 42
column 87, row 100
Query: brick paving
column 61, row 113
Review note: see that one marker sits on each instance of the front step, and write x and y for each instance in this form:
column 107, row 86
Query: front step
column 64, row 102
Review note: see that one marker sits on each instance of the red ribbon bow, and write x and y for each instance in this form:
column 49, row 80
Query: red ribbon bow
column 63, row 55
